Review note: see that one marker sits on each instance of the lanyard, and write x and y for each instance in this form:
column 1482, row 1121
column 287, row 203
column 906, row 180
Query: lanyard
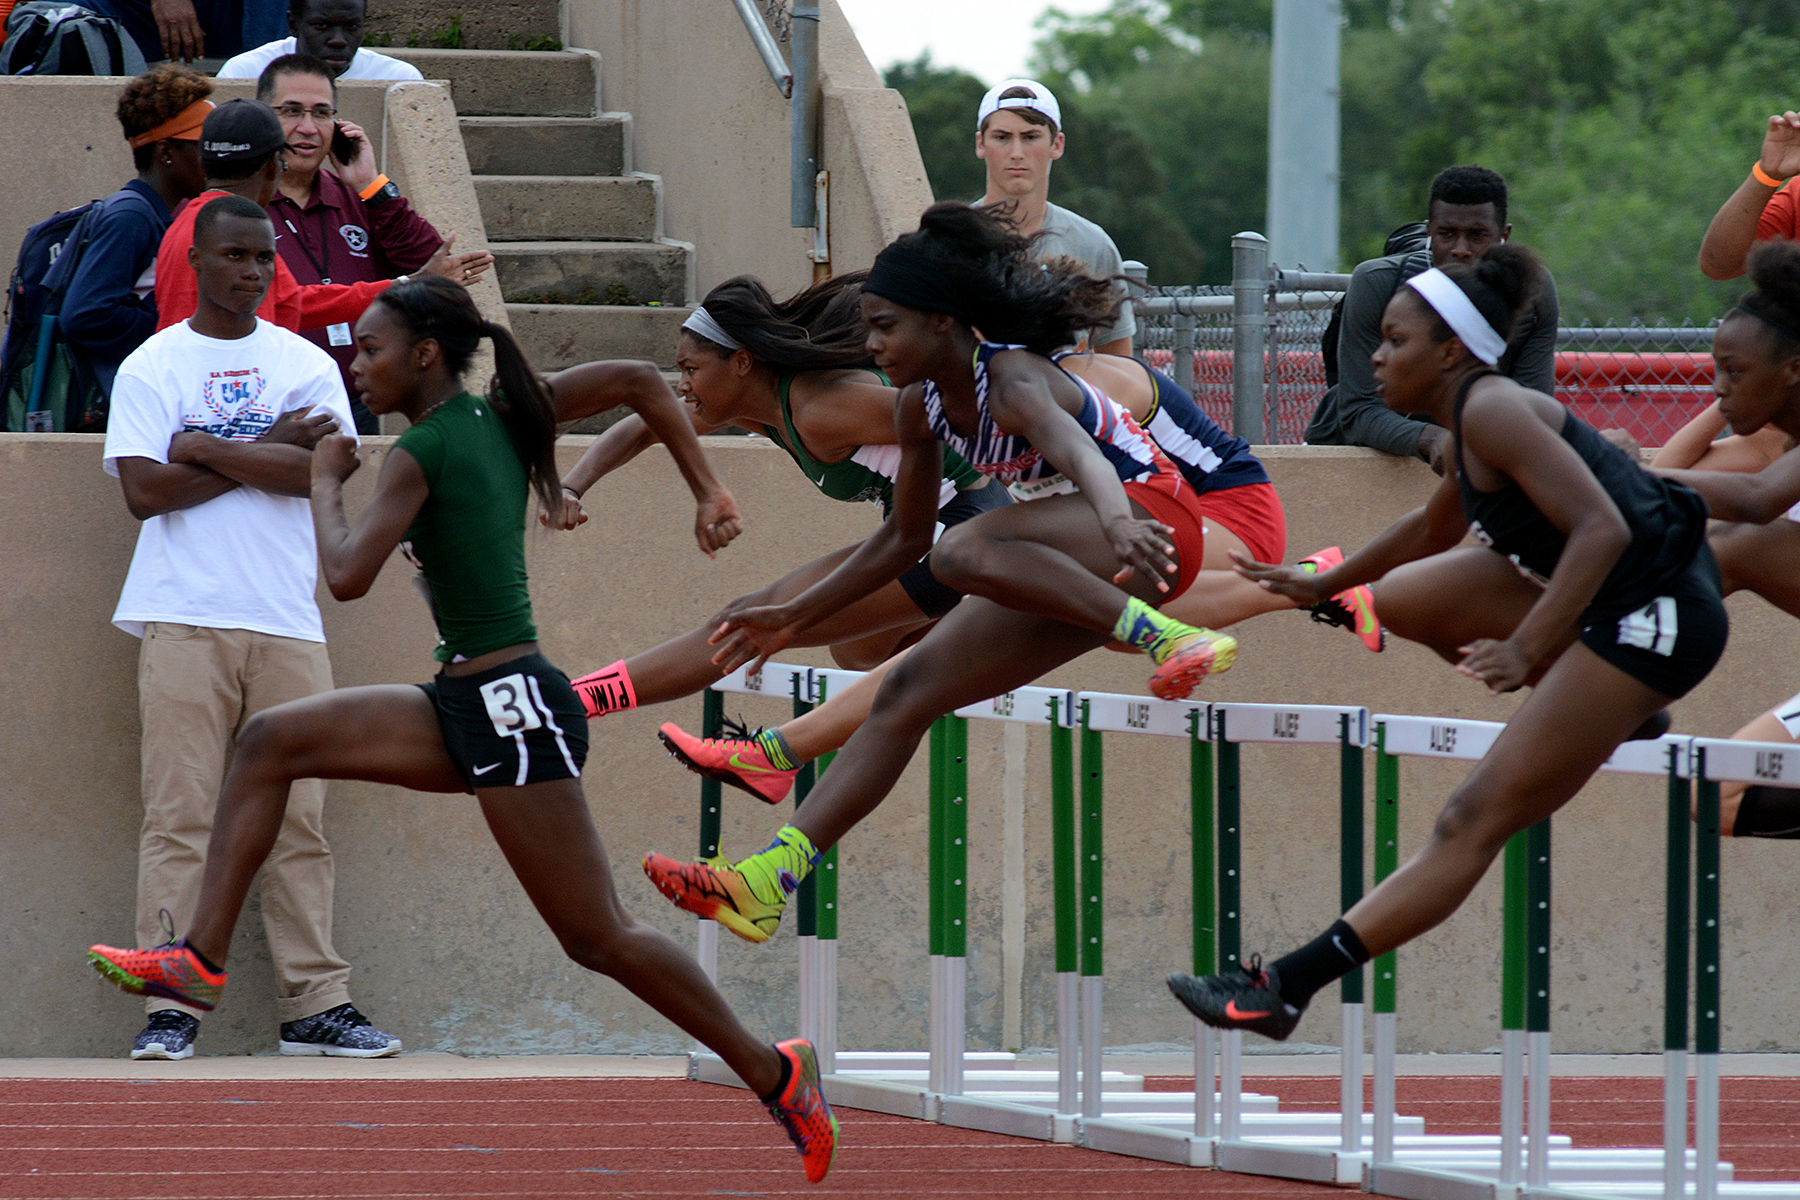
column 324, row 275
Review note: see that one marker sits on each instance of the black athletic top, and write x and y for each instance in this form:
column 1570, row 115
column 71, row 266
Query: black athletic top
column 1667, row 520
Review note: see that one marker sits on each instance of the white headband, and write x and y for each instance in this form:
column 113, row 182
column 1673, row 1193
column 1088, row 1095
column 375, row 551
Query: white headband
column 700, row 321
column 1460, row 314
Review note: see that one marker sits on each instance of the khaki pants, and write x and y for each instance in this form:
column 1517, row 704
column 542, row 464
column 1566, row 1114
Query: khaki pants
column 196, row 688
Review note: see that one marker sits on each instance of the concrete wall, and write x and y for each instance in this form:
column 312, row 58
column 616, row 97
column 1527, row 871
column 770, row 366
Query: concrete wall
column 76, row 153
column 707, row 118
column 449, row 955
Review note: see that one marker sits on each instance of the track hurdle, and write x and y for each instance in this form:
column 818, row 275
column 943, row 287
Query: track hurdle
column 1526, row 1159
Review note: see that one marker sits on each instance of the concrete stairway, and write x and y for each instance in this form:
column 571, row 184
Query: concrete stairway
column 577, row 234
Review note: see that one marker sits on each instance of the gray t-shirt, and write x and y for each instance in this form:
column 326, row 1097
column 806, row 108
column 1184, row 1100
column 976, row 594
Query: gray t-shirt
column 1079, row 238
column 1353, row 414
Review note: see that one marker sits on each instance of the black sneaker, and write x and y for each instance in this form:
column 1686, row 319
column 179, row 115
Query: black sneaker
column 341, row 1032
column 170, row 1034
column 1250, row 999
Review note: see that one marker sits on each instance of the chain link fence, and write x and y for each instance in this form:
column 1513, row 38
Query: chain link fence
column 1647, row 381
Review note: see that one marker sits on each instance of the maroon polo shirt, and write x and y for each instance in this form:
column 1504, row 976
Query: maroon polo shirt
column 338, row 238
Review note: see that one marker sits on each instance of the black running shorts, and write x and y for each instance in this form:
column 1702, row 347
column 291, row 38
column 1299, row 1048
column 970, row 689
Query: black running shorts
column 511, row 725
column 933, row 596
column 1672, row 642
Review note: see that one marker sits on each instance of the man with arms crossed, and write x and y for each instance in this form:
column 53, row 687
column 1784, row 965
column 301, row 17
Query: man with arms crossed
column 213, row 424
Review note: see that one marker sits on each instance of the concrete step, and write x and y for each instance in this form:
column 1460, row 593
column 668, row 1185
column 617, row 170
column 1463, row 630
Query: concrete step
column 596, row 272
column 560, row 335
column 533, row 208
column 545, row 145
column 512, row 83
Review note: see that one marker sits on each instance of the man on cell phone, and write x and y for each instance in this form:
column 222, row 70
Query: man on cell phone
column 342, row 223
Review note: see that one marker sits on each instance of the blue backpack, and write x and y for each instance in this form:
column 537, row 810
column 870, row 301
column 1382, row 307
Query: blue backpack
column 45, row 387
column 45, row 38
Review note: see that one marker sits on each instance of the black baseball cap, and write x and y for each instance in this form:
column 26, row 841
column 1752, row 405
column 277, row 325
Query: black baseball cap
column 240, row 131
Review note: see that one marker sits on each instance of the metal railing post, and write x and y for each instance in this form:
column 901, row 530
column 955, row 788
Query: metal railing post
column 1249, row 333
column 804, row 119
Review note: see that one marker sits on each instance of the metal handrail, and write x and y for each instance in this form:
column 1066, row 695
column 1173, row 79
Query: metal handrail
column 766, row 46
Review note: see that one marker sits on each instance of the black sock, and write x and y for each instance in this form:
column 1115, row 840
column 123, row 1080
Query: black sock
column 204, row 961
column 787, row 1074
column 1332, row 955
column 1768, row 812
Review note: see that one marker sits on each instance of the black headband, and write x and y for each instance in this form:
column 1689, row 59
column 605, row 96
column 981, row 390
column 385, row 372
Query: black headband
column 1770, row 313
column 905, row 276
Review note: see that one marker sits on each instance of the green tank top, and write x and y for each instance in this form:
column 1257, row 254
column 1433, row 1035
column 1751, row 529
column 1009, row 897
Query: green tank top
column 868, row 474
column 469, row 538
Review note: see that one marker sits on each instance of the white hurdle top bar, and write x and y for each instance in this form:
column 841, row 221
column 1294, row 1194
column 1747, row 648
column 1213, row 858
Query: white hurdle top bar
column 1295, row 724
column 1026, row 706
column 1447, row 737
column 1113, row 712
column 775, row 679
column 1730, row 761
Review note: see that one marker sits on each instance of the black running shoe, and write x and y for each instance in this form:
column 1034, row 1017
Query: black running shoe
column 1250, row 999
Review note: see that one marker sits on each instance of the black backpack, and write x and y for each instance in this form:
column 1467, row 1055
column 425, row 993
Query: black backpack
column 1410, row 239
column 65, row 39
column 45, row 387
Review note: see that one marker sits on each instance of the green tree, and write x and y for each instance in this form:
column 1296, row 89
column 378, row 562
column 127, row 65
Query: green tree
column 942, row 102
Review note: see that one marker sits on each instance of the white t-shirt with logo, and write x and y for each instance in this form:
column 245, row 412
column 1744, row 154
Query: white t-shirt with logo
column 245, row 559
column 365, row 64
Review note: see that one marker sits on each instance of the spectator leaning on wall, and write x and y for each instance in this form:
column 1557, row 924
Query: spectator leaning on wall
column 331, row 31
column 110, row 306
column 1018, row 134
column 1763, row 207
column 1464, row 216
column 212, row 430
column 344, row 223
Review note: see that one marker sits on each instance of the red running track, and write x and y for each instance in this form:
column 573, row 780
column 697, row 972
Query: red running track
column 271, row 1140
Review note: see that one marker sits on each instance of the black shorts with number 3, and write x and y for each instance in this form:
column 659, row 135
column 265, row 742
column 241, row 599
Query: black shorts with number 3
column 511, row 725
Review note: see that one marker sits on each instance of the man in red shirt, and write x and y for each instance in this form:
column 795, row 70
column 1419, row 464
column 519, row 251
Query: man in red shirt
column 338, row 220
column 241, row 149
column 1763, row 208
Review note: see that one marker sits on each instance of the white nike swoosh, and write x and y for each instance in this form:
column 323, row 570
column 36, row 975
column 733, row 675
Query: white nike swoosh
column 486, row 769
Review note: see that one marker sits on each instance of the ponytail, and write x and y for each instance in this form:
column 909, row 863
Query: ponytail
column 432, row 307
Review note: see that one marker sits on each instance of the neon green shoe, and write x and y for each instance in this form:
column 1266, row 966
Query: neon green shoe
column 1202, row 653
column 716, row 890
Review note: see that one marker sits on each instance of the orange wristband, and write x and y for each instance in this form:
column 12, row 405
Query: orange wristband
column 1763, row 177
column 375, row 185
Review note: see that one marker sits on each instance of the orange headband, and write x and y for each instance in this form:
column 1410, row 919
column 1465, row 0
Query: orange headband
column 184, row 124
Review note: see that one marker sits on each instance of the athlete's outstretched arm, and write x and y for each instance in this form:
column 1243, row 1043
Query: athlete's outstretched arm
column 351, row 556
column 1501, row 430
column 657, row 416
column 1430, row 529
column 1022, row 404
column 1756, row 498
column 749, row 632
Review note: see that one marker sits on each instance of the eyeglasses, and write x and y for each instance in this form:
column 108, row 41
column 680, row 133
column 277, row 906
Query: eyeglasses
column 292, row 111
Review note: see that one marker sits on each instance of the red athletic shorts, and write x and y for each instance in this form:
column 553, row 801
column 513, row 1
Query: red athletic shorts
column 1172, row 500
column 1253, row 513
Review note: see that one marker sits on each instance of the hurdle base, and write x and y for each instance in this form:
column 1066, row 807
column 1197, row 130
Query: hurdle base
column 871, row 1095
column 1305, row 1163
column 996, row 1116
column 1413, row 1183
column 1144, row 1141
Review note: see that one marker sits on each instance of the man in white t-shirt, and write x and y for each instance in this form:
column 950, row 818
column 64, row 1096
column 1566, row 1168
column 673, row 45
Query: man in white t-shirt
column 330, row 30
column 1018, row 134
column 211, row 433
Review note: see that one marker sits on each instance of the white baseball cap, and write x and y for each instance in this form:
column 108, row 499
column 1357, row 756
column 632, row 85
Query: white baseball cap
column 1040, row 100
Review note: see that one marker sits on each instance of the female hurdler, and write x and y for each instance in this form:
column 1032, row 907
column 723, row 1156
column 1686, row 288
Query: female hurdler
column 499, row 720
column 1594, row 586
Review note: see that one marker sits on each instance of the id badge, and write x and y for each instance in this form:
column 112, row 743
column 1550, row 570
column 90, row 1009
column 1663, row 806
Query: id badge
column 339, row 333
